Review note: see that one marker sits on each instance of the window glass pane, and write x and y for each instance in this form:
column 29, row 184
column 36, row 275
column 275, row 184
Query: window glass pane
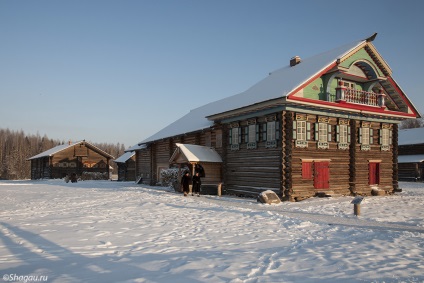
column 252, row 133
column 301, row 130
column 366, row 136
column 235, row 136
column 271, row 131
column 343, row 134
column 322, row 136
column 386, row 137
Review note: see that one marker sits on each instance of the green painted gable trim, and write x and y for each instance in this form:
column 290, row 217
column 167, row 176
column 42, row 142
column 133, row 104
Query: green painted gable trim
column 315, row 90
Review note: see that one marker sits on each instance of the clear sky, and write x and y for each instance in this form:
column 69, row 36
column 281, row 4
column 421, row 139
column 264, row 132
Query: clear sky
column 119, row 71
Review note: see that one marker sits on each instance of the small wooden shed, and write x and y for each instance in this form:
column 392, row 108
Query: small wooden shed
column 68, row 159
column 197, row 156
column 126, row 166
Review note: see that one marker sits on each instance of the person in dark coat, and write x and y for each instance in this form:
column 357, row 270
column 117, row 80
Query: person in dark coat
column 196, row 184
column 185, row 183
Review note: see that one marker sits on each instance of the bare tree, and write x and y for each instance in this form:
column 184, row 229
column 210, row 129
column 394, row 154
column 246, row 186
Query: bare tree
column 16, row 147
column 411, row 123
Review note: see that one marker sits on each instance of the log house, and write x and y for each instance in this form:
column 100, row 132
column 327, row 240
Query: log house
column 324, row 125
column 70, row 158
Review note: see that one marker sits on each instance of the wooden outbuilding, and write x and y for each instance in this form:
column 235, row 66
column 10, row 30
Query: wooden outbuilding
column 202, row 159
column 324, row 125
column 70, row 159
column 411, row 154
column 126, row 166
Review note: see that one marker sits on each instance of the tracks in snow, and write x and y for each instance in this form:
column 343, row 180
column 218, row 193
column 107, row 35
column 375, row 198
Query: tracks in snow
column 317, row 218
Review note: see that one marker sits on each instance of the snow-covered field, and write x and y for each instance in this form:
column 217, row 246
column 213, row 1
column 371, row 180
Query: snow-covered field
column 104, row 231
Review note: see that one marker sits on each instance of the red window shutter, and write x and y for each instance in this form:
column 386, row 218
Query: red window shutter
column 307, row 170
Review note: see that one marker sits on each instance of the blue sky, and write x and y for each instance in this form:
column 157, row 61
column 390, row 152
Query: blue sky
column 119, row 71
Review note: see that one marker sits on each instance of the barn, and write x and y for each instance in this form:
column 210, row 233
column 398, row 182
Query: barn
column 70, row 158
column 411, row 154
column 324, row 125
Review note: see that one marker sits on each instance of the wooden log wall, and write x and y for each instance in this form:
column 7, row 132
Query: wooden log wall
column 213, row 174
column 363, row 158
column 157, row 155
column 79, row 155
column 338, row 164
column 395, row 150
column 144, row 165
column 250, row 171
column 287, row 151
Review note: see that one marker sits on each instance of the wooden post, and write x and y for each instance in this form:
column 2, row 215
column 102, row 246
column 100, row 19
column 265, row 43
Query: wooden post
column 357, row 205
column 357, row 209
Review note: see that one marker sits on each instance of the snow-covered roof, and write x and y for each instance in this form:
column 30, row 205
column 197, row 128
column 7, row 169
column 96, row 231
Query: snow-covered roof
column 278, row 84
column 194, row 153
column 411, row 158
column 411, row 136
column 61, row 147
column 124, row 157
column 136, row 147
column 54, row 150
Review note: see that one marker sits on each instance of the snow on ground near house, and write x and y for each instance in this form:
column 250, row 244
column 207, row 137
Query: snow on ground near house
column 103, row 231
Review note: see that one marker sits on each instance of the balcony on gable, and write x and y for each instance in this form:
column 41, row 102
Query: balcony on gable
column 350, row 95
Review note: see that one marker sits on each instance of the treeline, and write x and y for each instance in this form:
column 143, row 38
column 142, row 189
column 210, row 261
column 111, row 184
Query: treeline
column 16, row 147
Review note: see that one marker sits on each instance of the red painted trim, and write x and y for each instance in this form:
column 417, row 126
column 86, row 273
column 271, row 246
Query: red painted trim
column 311, row 79
column 403, row 96
column 352, row 106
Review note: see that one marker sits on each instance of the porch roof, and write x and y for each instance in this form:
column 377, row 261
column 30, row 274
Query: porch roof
column 194, row 153
column 124, row 157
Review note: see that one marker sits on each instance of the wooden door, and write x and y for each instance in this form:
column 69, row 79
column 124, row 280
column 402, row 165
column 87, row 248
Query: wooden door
column 374, row 173
column 322, row 175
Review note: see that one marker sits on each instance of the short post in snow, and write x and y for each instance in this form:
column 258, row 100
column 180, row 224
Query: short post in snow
column 357, row 205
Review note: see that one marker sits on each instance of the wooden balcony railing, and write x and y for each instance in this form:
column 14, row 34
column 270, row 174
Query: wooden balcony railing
column 361, row 97
column 350, row 95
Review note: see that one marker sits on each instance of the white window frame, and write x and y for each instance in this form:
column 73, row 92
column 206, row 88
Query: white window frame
column 385, row 137
column 365, row 136
column 343, row 134
column 252, row 133
column 235, row 133
column 322, row 132
column 301, row 130
column 270, row 131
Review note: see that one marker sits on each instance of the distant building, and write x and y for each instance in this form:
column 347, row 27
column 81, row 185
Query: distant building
column 325, row 124
column 411, row 154
column 71, row 158
column 126, row 166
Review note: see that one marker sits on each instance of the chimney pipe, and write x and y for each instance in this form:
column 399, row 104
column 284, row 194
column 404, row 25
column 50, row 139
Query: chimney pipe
column 294, row 61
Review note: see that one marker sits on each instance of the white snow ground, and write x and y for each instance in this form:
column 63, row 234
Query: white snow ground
column 104, row 231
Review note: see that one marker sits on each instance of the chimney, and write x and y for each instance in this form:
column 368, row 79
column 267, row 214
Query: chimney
column 294, row 61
